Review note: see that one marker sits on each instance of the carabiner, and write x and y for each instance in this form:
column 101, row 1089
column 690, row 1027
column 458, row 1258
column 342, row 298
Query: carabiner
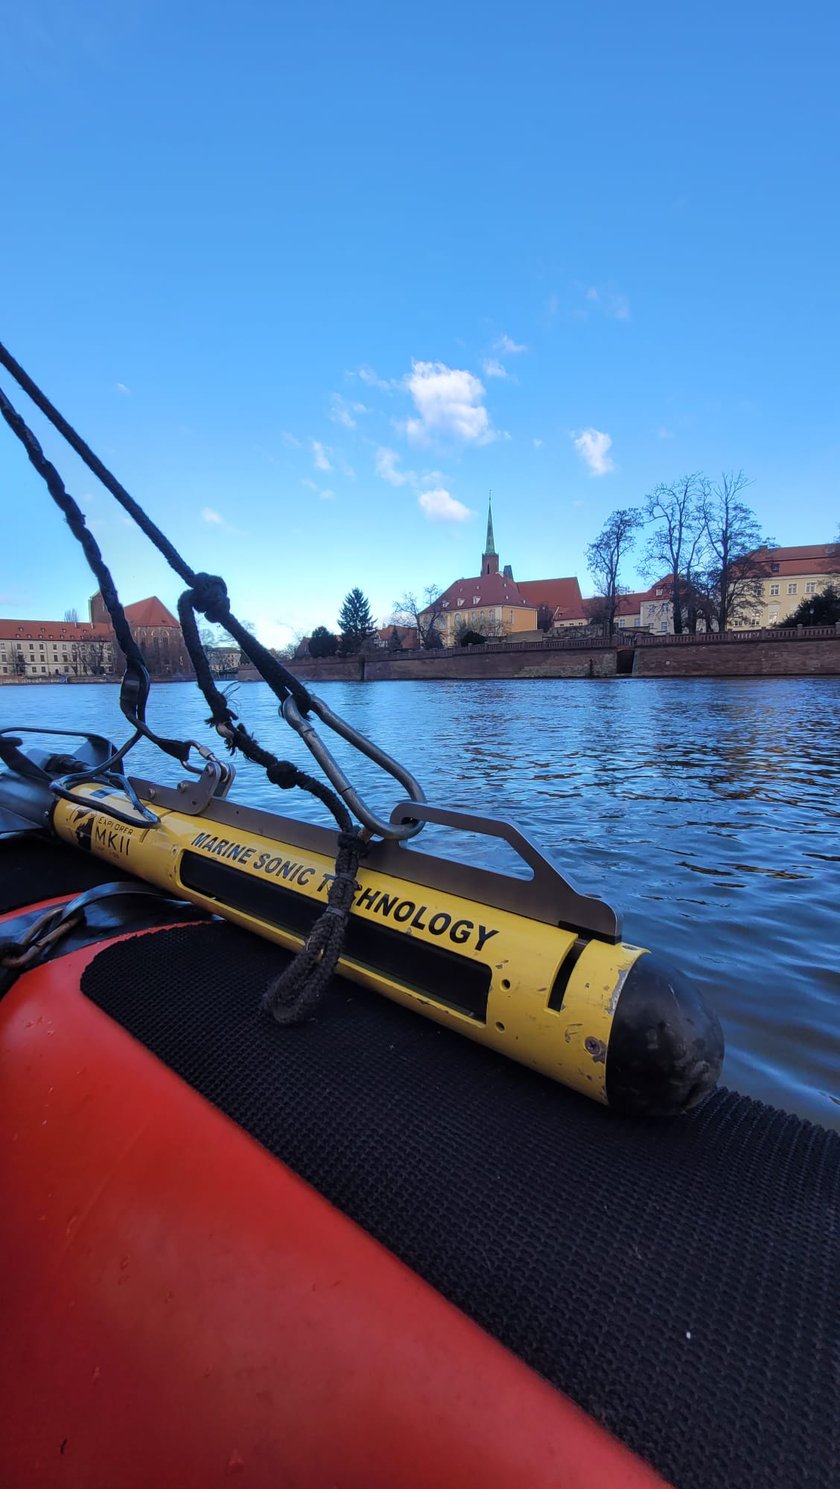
column 332, row 770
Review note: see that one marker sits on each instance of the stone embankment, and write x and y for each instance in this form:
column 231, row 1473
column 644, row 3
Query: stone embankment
column 806, row 651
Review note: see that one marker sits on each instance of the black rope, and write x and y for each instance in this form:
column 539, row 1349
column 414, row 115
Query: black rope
column 205, row 587
column 92, row 461
column 136, row 682
column 296, row 992
column 294, row 995
column 208, row 595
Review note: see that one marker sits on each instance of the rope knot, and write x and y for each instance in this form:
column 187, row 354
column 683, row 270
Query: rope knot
column 283, row 774
column 210, row 597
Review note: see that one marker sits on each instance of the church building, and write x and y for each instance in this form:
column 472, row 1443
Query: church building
column 493, row 604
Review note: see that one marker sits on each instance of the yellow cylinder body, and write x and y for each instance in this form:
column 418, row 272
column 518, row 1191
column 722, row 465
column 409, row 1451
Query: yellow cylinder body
column 530, row 990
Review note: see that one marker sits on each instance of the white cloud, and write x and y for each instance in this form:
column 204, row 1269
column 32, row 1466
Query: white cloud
column 439, row 506
column 323, row 495
column 536, row 443
column 344, row 412
column 493, row 368
column 609, row 301
column 449, row 403
column 507, row 346
column 367, row 375
column 663, row 433
column 319, row 455
column 387, row 462
column 593, row 447
column 121, row 388
column 291, row 441
column 213, row 519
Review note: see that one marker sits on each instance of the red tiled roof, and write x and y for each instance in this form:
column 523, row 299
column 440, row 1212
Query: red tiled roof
column 485, row 589
column 409, row 638
column 631, row 604
column 562, row 596
column 809, row 558
column 53, row 630
column 150, row 612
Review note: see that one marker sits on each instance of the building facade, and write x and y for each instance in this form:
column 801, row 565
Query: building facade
column 38, row 650
column 789, row 576
column 41, row 649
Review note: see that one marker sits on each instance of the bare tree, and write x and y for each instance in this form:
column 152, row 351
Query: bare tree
column 71, row 617
column 422, row 615
column 212, row 635
column 96, row 657
column 604, row 558
column 733, row 580
column 488, row 630
column 676, row 541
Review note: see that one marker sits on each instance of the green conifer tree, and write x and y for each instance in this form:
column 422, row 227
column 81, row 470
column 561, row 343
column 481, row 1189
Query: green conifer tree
column 355, row 622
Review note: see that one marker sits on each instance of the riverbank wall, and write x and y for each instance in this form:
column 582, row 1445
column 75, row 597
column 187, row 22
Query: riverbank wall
column 804, row 652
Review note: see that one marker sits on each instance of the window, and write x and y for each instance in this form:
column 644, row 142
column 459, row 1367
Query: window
column 621, row 622
column 774, row 568
column 811, row 588
column 460, row 602
column 43, row 669
column 663, row 625
column 476, row 599
column 774, row 589
column 637, row 621
column 792, row 588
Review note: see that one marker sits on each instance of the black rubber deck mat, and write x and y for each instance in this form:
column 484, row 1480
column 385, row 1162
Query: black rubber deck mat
column 679, row 1279
column 33, row 869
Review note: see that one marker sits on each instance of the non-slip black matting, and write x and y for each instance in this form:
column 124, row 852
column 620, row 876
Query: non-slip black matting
column 679, row 1279
column 34, row 869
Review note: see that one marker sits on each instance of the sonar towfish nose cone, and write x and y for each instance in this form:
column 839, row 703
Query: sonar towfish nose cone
column 666, row 1046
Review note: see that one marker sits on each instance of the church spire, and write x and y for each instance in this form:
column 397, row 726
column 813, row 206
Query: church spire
column 490, row 558
column 489, row 546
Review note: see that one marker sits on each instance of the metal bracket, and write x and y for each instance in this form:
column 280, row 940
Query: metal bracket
column 546, row 896
column 191, row 797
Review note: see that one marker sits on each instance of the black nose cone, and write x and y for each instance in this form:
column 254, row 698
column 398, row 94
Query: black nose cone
column 666, row 1046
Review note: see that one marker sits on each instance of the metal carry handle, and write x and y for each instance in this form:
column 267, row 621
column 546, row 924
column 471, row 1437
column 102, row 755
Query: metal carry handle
column 547, row 896
column 408, row 827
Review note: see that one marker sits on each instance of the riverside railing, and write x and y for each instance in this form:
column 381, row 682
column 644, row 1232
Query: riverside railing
column 621, row 639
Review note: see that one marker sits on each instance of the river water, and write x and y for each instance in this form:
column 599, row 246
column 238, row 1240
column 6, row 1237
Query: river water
column 706, row 811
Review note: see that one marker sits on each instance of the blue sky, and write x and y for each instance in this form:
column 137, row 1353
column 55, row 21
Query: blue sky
column 314, row 277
